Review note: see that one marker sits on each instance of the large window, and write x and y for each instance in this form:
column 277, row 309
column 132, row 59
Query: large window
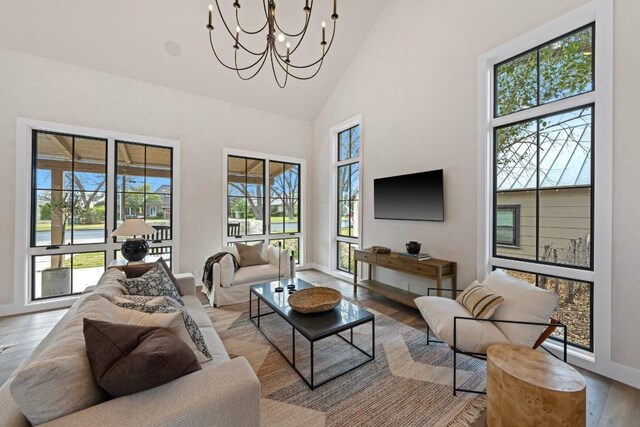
column 144, row 186
column 543, row 166
column 264, row 201
column 347, row 197
column 71, row 210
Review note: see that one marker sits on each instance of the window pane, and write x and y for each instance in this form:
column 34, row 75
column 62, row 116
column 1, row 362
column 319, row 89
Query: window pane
column 344, row 263
column 53, row 217
column 565, row 149
column 89, row 224
column 565, row 226
column 517, row 84
column 255, row 178
column 237, row 208
column 516, row 241
column 344, row 223
column 344, row 180
column 277, row 216
column 355, row 181
column 343, row 145
column 516, row 156
column 292, row 181
column 353, row 219
column 291, row 215
column 90, row 164
column 355, row 141
column 163, row 252
column 130, row 168
column 51, row 276
column 158, row 169
column 566, row 67
column 87, row 269
column 53, row 160
column 255, row 216
column 289, row 244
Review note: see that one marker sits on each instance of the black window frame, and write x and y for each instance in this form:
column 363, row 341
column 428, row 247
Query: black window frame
column 538, row 189
column 246, row 197
column 351, row 259
column 350, row 200
column 156, row 238
column 33, row 272
column 515, row 212
column 537, row 49
column 299, row 199
column 350, row 149
column 35, row 189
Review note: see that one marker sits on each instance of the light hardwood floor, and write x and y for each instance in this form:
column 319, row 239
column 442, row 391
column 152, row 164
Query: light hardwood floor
column 609, row 403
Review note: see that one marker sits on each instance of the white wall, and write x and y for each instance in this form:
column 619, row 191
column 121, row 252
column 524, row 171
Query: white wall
column 415, row 82
column 43, row 89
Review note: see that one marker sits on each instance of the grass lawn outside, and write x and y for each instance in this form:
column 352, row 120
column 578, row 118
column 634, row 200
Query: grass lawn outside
column 86, row 260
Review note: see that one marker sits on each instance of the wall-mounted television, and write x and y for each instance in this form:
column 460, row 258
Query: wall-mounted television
column 415, row 197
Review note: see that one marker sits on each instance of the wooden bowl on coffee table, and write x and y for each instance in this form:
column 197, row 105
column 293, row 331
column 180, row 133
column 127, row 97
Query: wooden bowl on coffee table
column 314, row 300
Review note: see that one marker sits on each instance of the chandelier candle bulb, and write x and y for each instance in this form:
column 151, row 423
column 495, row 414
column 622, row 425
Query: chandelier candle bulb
column 335, row 10
column 324, row 29
column 237, row 36
column 288, row 51
column 209, row 26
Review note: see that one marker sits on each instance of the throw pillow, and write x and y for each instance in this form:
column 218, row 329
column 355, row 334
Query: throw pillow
column 126, row 359
column 524, row 302
column 155, row 282
column 479, row 300
column 250, row 255
column 133, row 271
column 190, row 325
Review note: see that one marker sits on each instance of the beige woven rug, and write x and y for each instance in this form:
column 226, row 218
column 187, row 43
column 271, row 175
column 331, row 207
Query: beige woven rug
column 408, row 383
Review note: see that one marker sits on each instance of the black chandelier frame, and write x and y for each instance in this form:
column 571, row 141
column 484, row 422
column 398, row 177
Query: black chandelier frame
column 281, row 60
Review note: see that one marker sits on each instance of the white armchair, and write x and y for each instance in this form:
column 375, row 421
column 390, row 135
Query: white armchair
column 523, row 318
column 232, row 287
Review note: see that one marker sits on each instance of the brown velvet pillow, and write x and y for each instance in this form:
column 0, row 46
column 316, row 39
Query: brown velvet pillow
column 133, row 271
column 126, row 359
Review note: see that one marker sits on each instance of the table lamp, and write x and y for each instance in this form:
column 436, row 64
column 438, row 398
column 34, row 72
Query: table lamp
column 134, row 248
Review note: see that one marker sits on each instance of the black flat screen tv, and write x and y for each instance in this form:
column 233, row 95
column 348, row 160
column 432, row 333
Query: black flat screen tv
column 415, row 197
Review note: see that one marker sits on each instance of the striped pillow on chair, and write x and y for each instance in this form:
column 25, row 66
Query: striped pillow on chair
column 479, row 300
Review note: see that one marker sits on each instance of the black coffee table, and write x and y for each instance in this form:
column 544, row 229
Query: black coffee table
column 314, row 327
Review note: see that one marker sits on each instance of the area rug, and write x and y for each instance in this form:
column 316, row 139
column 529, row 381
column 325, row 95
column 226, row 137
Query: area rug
column 408, row 383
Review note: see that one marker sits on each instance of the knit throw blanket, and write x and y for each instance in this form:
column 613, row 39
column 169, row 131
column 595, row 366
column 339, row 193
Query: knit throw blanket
column 207, row 272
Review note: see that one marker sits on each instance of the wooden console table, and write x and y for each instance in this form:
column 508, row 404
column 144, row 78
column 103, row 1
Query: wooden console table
column 434, row 269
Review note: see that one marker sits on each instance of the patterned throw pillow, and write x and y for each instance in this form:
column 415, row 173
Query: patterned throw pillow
column 479, row 300
column 250, row 255
column 173, row 307
column 156, row 282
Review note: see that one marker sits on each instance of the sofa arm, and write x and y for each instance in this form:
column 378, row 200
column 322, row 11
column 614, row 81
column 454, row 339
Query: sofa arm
column 226, row 395
column 186, row 283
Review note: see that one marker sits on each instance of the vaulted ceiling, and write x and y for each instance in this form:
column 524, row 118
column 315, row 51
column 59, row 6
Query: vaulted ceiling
column 165, row 42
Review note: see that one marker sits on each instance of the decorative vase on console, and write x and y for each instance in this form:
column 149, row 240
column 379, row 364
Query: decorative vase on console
column 413, row 247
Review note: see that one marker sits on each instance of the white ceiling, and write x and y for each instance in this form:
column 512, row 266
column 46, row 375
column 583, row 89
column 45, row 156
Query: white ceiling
column 140, row 39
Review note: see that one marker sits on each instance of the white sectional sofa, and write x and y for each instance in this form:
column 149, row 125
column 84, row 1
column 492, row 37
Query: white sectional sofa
column 232, row 287
column 224, row 393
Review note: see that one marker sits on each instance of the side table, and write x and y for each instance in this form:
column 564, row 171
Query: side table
column 526, row 387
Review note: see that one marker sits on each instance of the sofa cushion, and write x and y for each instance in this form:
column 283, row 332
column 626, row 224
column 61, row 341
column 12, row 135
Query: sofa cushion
column 255, row 273
column 155, row 282
column 174, row 307
column 126, row 359
column 479, row 300
column 473, row 336
column 134, row 270
column 108, row 282
column 251, row 255
column 524, row 302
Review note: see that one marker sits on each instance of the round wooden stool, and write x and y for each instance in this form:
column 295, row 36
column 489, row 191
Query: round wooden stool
column 526, row 387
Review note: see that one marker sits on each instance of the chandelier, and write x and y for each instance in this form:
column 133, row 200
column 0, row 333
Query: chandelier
column 282, row 63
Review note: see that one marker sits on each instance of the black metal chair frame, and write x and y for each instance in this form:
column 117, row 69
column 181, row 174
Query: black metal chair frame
column 483, row 356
